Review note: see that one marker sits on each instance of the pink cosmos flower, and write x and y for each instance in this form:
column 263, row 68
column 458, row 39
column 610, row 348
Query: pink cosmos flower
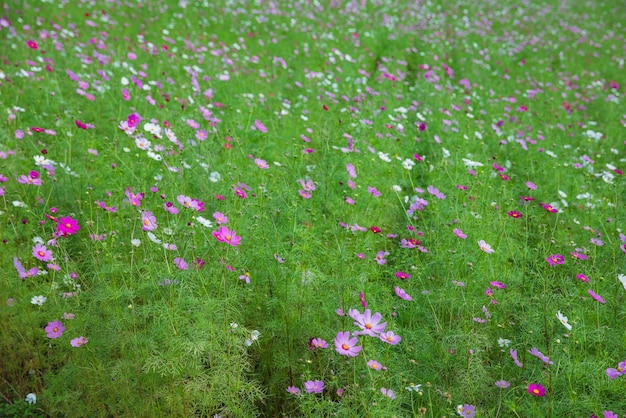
column 388, row 392
column 293, row 390
column 514, row 356
column 351, row 170
column 223, row 234
column 181, row 263
column 148, row 221
column 317, row 343
column 262, row 164
column 485, row 247
column 54, row 329
column 578, row 256
column 67, row 226
column 42, row 253
column 380, row 257
column 314, row 386
column 619, row 371
column 373, row 364
column 535, row 352
column 346, row 346
column 595, row 296
column 260, row 126
column 373, row 191
column 220, row 218
column 80, row 341
column 459, row 233
column 553, row 259
column 402, row 294
column 369, row 324
column 536, row 389
column 390, row 337
column 582, row 278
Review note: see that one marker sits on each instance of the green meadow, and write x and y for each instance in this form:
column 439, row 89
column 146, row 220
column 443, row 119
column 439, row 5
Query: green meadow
column 308, row 208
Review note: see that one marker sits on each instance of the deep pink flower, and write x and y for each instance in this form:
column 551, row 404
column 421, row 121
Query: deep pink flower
column 582, row 277
column 223, row 234
column 595, row 296
column 54, row 329
column 32, row 44
column 578, row 256
column 536, row 389
column 553, row 259
column 42, row 253
column 67, row 226
column 347, row 346
column 402, row 275
column 514, row 214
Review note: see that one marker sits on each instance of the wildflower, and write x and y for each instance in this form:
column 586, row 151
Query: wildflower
column 293, row 390
column 619, row 371
column 68, row 316
column 42, row 253
column 314, row 386
column 563, row 320
column 514, row 356
column 622, row 279
column 346, row 346
column 582, row 278
column 31, row 398
column 254, row 335
column 610, row 414
column 148, row 221
column 578, row 256
column 362, row 298
column 67, row 226
column 181, row 263
column 80, row 341
column 402, row 294
column 548, row 208
column 369, row 324
column 380, row 257
column 204, row 222
column 223, row 234
column 260, row 126
column 553, row 259
column 245, row 276
column 390, row 337
column 262, row 164
column 459, row 233
column 38, row 300
column 413, row 387
column 536, row 389
column 373, row 191
column 485, row 247
column 54, row 329
column 468, row 411
column 595, row 296
column 373, row 364
column 514, row 214
column 535, row 352
column 502, row 384
column 388, row 392
column 220, row 218
column 317, row 343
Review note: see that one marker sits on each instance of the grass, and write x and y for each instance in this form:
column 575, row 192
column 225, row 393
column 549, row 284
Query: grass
column 317, row 130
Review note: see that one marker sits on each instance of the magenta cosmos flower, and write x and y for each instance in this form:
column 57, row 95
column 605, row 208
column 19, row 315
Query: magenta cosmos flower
column 40, row 252
column 369, row 324
column 54, row 329
column 67, row 226
column 225, row 235
column 615, row 373
column 346, row 346
column 553, row 259
column 536, row 389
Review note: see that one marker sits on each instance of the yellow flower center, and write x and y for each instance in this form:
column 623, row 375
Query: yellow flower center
column 536, row 391
column 345, row 346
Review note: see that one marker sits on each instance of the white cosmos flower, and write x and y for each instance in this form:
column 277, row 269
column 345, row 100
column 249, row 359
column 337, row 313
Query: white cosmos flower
column 622, row 279
column 563, row 320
